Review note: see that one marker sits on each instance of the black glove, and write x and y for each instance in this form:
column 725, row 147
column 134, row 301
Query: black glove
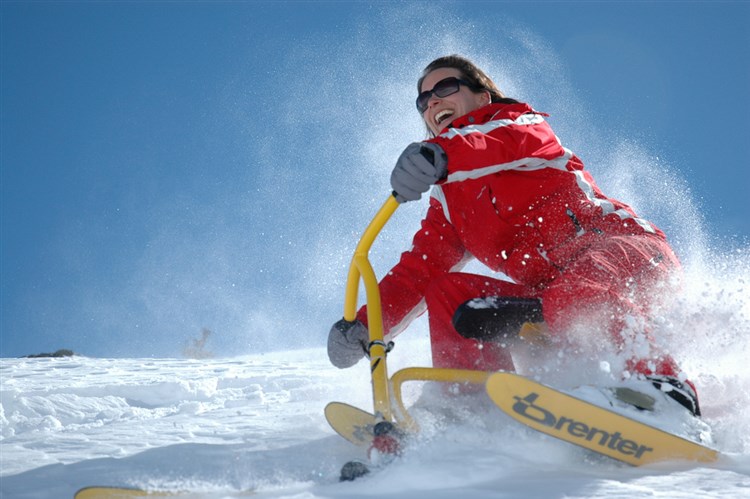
column 347, row 343
column 496, row 318
column 420, row 166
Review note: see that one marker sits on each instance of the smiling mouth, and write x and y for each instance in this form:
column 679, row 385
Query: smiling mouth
column 443, row 116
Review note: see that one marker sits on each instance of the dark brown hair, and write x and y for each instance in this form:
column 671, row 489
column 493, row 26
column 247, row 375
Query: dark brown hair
column 469, row 72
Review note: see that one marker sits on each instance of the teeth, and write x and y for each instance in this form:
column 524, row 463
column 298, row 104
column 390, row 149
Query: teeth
column 442, row 115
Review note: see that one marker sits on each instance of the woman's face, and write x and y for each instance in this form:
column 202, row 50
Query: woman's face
column 442, row 110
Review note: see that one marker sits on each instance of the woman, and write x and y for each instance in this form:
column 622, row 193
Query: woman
column 506, row 192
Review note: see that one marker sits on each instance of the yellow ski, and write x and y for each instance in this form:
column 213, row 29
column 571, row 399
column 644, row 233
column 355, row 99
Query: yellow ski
column 130, row 493
column 587, row 425
column 112, row 493
column 352, row 423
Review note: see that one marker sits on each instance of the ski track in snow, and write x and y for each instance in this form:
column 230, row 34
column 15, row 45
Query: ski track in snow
column 222, row 425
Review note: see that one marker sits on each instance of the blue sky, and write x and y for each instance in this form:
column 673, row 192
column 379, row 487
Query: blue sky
column 169, row 166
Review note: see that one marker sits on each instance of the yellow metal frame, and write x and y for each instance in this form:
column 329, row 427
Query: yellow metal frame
column 387, row 390
column 383, row 387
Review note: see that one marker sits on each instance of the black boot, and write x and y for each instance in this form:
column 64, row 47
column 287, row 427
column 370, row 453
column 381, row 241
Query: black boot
column 682, row 392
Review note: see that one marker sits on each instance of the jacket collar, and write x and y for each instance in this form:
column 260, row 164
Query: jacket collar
column 490, row 112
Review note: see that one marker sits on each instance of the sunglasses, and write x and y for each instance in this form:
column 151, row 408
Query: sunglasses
column 443, row 88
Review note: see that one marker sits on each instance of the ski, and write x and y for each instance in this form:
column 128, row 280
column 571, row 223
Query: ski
column 352, row 423
column 130, row 493
column 382, row 438
column 602, row 431
column 114, row 493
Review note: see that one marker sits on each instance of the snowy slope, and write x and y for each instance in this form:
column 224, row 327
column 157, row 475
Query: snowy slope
column 257, row 422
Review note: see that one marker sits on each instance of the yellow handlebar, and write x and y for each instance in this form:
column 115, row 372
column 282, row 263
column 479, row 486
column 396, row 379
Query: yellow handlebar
column 381, row 384
column 361, row 267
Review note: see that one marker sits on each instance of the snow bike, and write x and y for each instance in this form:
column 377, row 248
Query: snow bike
column 538, row 406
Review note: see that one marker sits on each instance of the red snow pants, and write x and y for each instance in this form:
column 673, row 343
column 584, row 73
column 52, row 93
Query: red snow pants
column 617, row 277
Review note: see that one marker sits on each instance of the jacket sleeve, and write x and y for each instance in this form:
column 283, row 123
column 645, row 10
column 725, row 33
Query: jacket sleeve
column 436, row 250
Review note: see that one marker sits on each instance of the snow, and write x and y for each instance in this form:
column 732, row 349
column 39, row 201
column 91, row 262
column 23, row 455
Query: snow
column 222, row 425
column 219, row 425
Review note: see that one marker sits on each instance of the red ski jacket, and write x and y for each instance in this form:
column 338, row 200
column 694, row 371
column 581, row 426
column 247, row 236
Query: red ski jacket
column 515, row 199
